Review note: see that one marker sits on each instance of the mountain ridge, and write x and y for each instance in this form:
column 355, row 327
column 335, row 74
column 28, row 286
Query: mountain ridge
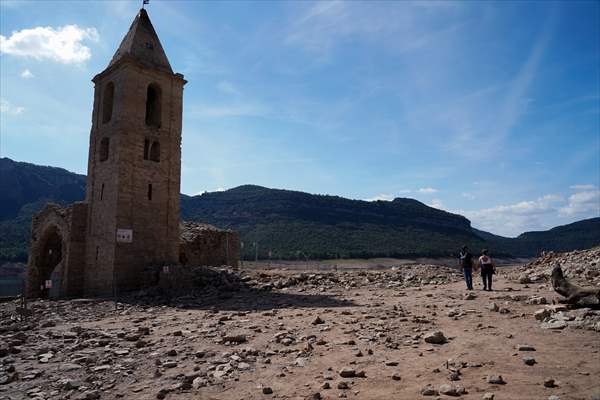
column 290, row 223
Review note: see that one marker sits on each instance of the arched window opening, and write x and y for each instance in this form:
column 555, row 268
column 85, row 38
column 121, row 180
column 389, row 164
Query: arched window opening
column 149, row 191
column 107, row 102
column 153, row 105
column 146, row 149
column 104, row 149
column 155, row 152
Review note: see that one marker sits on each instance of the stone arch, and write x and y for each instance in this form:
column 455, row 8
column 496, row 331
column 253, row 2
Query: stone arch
column 48, row 261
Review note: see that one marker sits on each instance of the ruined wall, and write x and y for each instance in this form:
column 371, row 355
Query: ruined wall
column 57, row 251
column 203, row 244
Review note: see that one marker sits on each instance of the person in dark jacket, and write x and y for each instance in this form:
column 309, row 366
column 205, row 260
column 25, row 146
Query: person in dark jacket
column 466, row 263
column 487, row 269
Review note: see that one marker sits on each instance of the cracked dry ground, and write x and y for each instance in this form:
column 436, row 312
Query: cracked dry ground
column 292, row 345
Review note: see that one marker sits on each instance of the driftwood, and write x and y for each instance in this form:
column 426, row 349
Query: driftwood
column 572, row 292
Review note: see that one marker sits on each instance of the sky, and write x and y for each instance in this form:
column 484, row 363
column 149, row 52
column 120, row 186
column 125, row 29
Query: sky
column 487, row 109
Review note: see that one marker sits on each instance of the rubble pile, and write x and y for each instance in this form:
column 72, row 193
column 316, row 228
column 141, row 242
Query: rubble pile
column 579, row 265
column 560, row 316
column 397, row 277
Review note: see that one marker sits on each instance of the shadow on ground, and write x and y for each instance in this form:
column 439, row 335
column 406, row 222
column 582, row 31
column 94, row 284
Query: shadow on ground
column 207, row 288
column 238, row 300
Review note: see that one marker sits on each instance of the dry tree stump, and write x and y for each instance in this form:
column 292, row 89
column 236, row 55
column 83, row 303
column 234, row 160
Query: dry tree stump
column 573, row 293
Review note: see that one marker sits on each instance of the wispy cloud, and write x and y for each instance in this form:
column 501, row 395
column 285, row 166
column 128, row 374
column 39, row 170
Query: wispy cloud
column 381, row 197
column 63, row 44
column 227, row 88
column 427, row 190
column 27, row 74
column 7, row 108
column 582, row 203
column 583, row 187
column 436, row 203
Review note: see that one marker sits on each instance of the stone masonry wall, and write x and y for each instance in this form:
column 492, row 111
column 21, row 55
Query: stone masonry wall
column 206, row 245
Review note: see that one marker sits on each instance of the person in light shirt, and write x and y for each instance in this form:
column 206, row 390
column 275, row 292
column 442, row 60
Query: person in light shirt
column 487, row 268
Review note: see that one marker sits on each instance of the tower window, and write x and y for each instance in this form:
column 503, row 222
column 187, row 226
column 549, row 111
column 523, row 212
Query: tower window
column 146, row 149
column 155, row 152
column 149, row 191
column 104, row 149
column 153, row 105
column 107, row 102
column 102, row 192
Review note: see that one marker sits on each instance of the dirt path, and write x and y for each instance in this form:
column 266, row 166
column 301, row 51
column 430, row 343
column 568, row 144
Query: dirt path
column 376, row 330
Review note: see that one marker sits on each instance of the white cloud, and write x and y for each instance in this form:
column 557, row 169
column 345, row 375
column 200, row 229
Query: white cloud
column 63, row 44
column 583, row 187
column 219, row 189
column 583, row 203
column 7, row 108
column 26, row 74
column 382, row 197
column 436, row 203
column 469, row 196
column 227, row 88
column 513, row 219
column 427, row 190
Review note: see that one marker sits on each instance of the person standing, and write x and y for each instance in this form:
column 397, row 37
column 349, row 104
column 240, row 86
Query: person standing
column 466, row 263
column 487, row 269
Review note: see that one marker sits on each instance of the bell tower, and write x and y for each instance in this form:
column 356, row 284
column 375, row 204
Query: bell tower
column 134, row 164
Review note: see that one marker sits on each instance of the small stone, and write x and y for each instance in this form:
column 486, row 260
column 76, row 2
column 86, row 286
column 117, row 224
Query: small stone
column 470, row 296
column 529, row 360
column 448, row 390
column 325, row 385
column 553, row 397
column 318, row 321
column 553, row 325
column 347, row 372
column 549, row 383
column 542, row 314
column 343, row 385
column 172, row 353
column 525, row 347
column 396, row 377
column 488, row 396
column 199, row 382
column 267, row 390
column 493, row 307
column 435, row 337
column 429, row 391
column 496, row 379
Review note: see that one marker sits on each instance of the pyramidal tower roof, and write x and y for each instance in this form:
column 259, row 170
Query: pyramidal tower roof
column 142, row 44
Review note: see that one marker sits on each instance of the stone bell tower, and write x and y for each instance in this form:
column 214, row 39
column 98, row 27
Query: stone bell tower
column 134, row 164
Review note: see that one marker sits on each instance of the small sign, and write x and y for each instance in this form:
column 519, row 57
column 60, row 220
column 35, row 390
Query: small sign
column 124, row 235
column 165, row 269
column 48, row 284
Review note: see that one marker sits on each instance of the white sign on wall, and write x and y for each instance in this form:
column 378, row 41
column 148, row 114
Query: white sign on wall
column 48, row 284
column 124, row 235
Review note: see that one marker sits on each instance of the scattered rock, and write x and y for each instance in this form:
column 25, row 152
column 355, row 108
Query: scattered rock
column 529, row 360
column 495, row 379
column 435, row 337
column 549, row 383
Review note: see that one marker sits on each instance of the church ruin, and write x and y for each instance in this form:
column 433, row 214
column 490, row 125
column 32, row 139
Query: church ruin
column 130, row 217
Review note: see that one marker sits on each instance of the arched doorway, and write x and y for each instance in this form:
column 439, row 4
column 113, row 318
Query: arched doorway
column 48, row 259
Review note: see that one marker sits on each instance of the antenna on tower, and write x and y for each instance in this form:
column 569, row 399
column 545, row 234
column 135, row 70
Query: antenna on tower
column 144, row 2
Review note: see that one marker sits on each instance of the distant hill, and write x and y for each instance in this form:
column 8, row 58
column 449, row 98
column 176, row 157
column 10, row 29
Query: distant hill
column 296, row 224
column 291, row 224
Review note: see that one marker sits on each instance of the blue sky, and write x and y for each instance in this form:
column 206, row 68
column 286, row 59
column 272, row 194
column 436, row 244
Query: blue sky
column 488, row 109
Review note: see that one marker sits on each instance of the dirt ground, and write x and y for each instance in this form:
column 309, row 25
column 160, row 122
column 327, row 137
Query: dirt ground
column 294, row 343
